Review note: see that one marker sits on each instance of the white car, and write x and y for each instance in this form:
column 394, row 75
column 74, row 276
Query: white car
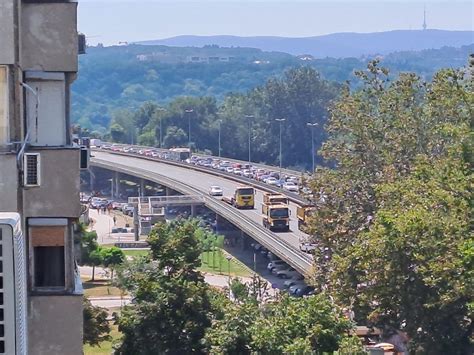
column 237, row 171
column 247, row 173
column 215, row 190
column 290, row 186
column 229, row 169
column 271, row 181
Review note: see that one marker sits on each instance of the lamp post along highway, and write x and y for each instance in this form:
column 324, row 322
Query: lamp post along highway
column 220, row 123
column 189, row 112
column 280, row 120
column 312, row 126
column 248, row 118
column 161, row 109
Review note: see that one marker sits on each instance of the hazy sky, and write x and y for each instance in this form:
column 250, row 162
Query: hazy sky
column 111, row 21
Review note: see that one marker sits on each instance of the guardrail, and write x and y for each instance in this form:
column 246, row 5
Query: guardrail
column 300, row 261
column 295, row 198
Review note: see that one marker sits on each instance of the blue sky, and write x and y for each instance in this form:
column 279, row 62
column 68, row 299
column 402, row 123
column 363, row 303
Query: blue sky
column 111, row 21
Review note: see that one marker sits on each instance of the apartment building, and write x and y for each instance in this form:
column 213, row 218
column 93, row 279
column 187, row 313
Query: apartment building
column 39, row 179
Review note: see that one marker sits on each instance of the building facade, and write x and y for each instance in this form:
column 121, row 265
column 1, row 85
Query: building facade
column 39, row 165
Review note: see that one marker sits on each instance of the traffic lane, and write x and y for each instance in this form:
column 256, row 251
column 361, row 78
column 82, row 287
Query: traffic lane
column 203, row 181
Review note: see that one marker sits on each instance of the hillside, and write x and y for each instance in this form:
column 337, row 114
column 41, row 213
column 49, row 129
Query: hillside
column 126, row 76
column 337, row 45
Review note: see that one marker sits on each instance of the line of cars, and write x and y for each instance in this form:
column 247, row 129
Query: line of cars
column 288, row 183
column 294, row 282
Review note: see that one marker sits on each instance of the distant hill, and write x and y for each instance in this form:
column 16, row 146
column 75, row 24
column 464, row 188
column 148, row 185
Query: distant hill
column 337, row 45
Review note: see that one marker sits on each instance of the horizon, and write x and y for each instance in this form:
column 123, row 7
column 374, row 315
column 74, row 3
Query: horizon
column 111, row 21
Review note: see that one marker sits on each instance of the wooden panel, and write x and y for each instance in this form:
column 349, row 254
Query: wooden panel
column 51, row 236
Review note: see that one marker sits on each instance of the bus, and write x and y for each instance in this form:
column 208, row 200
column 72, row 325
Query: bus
column 179, row 154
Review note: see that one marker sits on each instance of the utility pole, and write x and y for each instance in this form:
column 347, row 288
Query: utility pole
column 280, row 120
column 249, row 117
column 312, row 126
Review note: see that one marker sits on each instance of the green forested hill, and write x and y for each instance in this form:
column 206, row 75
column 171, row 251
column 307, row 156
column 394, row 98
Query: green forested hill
column 126, row 76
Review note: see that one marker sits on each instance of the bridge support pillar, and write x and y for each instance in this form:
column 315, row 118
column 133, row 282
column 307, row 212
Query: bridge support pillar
column 112, row 182
column 167, row 191
column 142, row 187
column 116, row 179
column 193, row 211
column 91, row 180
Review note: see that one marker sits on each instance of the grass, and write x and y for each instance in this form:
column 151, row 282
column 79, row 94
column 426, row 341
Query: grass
column 217, row 266
column 220, row 265
column 134, row 253
column 105, row 347
column 99, row 288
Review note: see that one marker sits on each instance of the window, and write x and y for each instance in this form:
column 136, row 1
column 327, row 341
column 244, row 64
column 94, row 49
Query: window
column 46, row 108
column 48, row 245
column 4, row 126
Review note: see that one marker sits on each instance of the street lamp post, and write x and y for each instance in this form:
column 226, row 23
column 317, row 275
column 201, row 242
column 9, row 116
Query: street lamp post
column 189, row 112
column 280, row 120
column 249, row 117
column 311, row 126
column 161, row 126
column 220, row 123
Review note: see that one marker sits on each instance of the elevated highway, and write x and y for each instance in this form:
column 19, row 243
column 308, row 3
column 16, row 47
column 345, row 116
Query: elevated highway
column 196, row 182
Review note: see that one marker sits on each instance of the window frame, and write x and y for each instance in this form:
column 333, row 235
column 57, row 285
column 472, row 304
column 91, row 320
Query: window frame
column 68, row 277
column 5, row 139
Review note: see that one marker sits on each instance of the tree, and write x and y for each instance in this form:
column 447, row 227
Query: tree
column 171, row 300
column 112, row 257
column 95, row 259
column 285, row 325
column 95, row 323
column 391, row 218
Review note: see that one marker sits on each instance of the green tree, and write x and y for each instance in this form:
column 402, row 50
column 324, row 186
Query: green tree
column 171, row 300
column 111, row 258
column 95, row 323
column 384, row 138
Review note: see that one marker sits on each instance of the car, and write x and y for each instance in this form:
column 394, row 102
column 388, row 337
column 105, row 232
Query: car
column 229, row 169
column 293, row 281
column 278, row 268
column 215, row 190
column 287, row 273
column 290, row 186
column 247, row 173
column 272, row 264
column 237, row 171
column 271, row 181
column 293, row 179
column 307, row 247
column 301, row 290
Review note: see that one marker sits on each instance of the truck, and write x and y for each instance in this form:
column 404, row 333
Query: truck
column 276, row 216
column 302, row 213
column 276, row 211
column 243, row 197
column 270, row 198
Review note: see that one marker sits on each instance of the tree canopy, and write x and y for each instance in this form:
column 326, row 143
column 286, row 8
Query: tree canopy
column 392, row 219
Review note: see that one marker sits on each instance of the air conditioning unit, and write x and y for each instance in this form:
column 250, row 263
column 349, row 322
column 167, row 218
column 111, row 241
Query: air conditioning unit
column 31, row 170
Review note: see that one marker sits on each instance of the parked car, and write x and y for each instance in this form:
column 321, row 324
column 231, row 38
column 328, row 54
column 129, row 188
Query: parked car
column 293, row 281
column 272, row 264
column 287, row 273
column 301, row 290
column 215, row 190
